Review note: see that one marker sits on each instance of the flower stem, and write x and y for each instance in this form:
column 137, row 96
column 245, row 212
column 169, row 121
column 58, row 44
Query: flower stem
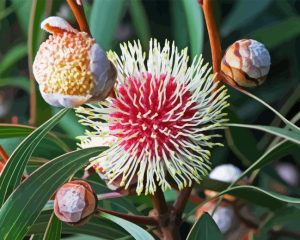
column 213, row 35
column 3, row 154
column 32, row 119
column 166, row 217
column 143, row 220
column 159, row 202
column 181, row 200
column 78, row 11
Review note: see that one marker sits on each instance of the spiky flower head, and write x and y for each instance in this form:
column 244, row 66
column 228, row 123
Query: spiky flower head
column 160, row 118
column 70, row 67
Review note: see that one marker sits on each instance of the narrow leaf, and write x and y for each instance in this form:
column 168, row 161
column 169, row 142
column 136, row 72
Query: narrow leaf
column 135, row 231
column 195, row 24
column 261, row 197
column 23, row 207
column 245, row 11
column 205, row 229
column 280, row 132
column 13, row 171
column 14, row 55
column 20, row 82
column 140, row 21
column 105, row 11
column 269, row 34
column 53, row 230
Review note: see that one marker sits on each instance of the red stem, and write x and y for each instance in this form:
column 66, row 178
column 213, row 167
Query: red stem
column 132, row 218
column 79, row 14
column 213, row 35
column 3, row 154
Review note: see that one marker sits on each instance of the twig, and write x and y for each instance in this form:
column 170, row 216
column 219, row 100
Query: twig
column 3, row 154
column 181, row 200
column 78, row 11
column 213, row 35
column 132, row 218
column 32, row 118
column 159, row 202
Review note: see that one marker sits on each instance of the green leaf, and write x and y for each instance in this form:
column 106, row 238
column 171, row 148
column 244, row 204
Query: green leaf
column 280, row 132
column 261, row 197
column 205, row 229
column 109, row 230
column 14, row 55
column 269, row 34
column 23, row 12
column 70, row 124
column 12, row 131
column 245, row 11
column 53, row 230
column 195, row 24
column 281, row 149
column 281, row 217
column 179, row 24
column 13, row 171
column 140, row 22
column 135, row 231
column 239, row 141
column 23, row 207
column 4, row 12
column 105, row 11
column 20, row 82
column 35, row 34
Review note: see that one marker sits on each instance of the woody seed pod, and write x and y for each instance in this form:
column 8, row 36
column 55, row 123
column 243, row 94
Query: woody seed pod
column 246, row 63
column 75, row 202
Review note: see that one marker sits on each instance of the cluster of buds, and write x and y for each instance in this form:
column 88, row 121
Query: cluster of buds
column 75, row 202
column 70, row 67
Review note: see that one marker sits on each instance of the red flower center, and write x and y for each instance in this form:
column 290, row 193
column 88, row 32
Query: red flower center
column 151, row 113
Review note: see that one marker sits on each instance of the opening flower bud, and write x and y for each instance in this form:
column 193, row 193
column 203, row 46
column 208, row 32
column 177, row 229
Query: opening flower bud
column 70, row 66
column 75, row 202
column 246, row 63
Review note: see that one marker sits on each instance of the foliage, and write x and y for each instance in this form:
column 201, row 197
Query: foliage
column 46, row 153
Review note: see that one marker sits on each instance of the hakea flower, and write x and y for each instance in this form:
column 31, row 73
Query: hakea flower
column 70, row 67
column 160, row 118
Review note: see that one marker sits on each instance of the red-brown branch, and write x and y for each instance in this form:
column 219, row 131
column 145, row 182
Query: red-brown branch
column 79, row 14
column 3, row 154
column 132, row 218
column 213, row 35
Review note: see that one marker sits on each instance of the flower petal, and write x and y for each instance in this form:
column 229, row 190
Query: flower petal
column 103, row 71
column 57, row 25
column 60, row 100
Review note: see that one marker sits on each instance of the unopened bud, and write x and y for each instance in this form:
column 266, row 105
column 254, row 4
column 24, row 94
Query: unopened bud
column 246, row 63
column 75, row 202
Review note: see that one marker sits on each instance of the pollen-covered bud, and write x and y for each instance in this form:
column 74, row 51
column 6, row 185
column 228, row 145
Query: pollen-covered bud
column 75, row 202
column 70, row 66
column 246, row 63
column 225, row 173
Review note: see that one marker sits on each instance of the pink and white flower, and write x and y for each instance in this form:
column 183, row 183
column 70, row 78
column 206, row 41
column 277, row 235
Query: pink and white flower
column 161, row 118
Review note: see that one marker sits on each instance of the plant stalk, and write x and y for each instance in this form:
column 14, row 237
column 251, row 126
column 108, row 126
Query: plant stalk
column 132, row 218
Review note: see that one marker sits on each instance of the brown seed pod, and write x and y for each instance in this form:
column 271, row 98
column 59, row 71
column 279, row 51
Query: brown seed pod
column 246, row 63
column 75, row 202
